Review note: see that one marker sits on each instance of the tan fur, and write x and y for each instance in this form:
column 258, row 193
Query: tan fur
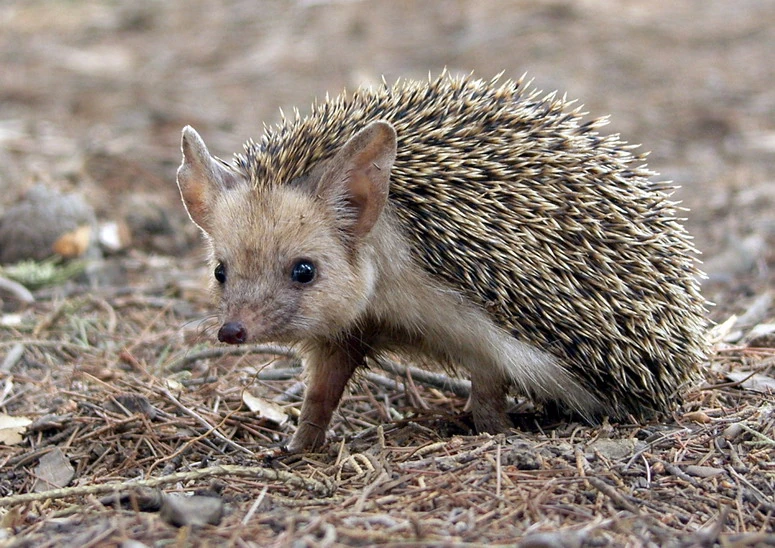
column 259, row 237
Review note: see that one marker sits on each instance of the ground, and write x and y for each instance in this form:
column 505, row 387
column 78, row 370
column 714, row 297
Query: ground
column 117, row 369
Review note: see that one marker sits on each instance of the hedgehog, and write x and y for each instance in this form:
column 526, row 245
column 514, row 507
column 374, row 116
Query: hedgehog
column 482, row 226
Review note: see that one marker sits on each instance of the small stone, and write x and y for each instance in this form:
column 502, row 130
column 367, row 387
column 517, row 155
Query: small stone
column 615, row 449
column 703, row 471
column 179, row 510
column 732, row 431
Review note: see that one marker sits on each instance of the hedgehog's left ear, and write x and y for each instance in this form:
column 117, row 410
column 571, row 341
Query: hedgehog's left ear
column 357, row 179
column 202, row 178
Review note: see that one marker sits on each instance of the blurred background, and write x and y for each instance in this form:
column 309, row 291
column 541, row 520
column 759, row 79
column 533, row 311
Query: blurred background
column 93, row 94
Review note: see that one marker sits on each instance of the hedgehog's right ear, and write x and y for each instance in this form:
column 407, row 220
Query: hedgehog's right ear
column 357, row 179
column 201, row 178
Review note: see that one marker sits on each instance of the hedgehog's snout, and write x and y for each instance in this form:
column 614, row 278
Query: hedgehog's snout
column 233, row 333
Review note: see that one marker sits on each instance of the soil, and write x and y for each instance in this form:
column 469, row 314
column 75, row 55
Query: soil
column 116, row 367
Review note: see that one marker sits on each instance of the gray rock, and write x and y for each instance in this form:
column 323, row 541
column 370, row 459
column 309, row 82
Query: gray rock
column 29, row 228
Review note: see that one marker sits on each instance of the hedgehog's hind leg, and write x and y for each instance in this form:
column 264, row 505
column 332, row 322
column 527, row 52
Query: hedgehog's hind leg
column 488, row 405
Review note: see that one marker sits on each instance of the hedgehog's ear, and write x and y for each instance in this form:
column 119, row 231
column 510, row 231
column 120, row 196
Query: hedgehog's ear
column 358, row 177
column 201, row 178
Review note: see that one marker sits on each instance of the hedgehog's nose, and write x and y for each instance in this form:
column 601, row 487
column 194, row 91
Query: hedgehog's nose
column 233, row 333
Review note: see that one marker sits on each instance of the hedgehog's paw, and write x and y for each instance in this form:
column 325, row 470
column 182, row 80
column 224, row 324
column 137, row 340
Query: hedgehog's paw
column 488, row 405
column 491, row 423
column 308, row 438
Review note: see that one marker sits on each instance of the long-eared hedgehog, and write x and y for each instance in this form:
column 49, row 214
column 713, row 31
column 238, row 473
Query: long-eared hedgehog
column 476, row 224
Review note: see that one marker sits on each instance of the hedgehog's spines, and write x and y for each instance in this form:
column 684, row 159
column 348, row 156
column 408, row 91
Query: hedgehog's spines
column 510, row 196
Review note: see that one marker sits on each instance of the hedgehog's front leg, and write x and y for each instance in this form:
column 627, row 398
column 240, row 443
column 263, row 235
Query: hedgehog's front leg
column 328, row 369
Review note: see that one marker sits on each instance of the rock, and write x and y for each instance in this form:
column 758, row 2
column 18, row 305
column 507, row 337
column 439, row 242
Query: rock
column 30, row 229
column 180, row 510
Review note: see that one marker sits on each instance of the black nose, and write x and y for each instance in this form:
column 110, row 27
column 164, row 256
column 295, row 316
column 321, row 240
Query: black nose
column 233, row 333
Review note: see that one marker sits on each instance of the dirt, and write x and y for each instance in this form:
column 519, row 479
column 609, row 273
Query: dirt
column 93, row 95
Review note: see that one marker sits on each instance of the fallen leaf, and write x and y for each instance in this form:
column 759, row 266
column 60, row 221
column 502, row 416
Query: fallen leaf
column 753, row 382
column 12, row 429
column 74, row 243
column 761, row 330
column 264, row 408
column 173, row 385
column 721, row 331
column 698, row 416
column 762, row 335
column 53, row 471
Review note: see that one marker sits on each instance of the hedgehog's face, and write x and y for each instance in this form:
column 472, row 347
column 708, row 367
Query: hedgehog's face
column 281, row 270
column 291, row 261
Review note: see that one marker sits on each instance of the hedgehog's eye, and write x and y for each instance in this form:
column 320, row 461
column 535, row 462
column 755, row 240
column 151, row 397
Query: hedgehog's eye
column 220, row 273
column 303, row 271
